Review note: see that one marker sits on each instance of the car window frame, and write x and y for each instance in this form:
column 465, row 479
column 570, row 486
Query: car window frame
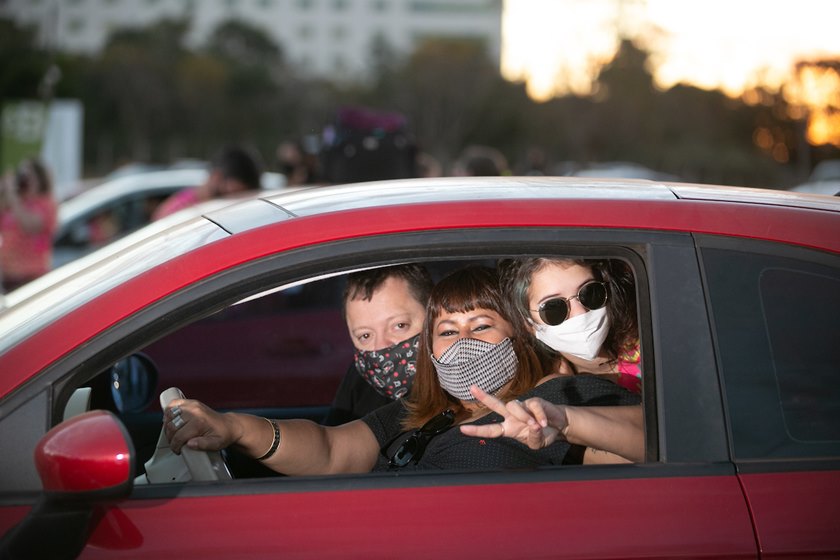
column 174, row 313
column 650, row 252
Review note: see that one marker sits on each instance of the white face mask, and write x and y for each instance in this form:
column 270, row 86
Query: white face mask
column 580, row 336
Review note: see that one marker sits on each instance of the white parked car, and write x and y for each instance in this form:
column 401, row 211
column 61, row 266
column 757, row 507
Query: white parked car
column 622, row 170
column 825, row 179
column 120, row 206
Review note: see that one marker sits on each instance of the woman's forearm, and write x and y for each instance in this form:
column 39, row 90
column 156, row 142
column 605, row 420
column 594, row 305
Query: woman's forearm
column 302, row 447
column 617, row 430
column 307, row 448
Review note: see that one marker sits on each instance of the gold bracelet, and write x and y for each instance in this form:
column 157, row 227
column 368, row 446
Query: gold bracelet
column 274, row 444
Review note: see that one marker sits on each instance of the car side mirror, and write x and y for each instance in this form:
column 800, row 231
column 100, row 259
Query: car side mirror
column 133, row 382
column 85, row 464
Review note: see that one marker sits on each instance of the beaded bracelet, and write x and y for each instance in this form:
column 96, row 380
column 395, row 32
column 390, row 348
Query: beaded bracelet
column 274, row 444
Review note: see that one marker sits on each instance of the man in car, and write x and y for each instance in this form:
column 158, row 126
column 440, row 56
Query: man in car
column 384, row 309
column 234, row 170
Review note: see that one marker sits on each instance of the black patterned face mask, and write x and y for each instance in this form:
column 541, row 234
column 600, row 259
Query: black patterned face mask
column 390, row 370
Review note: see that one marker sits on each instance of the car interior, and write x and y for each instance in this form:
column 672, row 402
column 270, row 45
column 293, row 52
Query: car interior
column 280, row 353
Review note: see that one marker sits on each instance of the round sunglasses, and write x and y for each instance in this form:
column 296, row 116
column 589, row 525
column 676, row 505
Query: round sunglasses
column 592, row 295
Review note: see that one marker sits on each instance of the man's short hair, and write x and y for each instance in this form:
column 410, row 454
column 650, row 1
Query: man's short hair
column 362, row 284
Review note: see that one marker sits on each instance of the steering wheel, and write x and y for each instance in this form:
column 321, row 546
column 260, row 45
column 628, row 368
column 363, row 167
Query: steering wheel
column 190, row 465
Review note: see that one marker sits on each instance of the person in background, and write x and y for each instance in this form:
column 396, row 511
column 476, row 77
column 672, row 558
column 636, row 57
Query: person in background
column 367, row 144
column 428, row 165
column 480, row 161
column 296, row 165
column 535, row 162
column 233, row 171
column 28, row 217
column 384, row 309
column 466, row 341
column 582, row 312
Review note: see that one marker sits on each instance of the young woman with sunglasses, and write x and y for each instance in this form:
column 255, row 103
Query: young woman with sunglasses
column 582, row 312
column 468, row 340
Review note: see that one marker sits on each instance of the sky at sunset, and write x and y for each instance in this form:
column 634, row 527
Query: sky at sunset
column 721, row 44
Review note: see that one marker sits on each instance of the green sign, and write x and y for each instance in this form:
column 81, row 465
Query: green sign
column 22, row 132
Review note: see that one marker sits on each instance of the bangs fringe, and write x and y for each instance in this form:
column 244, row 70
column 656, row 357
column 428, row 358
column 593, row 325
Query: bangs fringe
column 473, row 288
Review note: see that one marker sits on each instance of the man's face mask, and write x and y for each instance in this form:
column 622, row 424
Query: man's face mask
column 390, row 371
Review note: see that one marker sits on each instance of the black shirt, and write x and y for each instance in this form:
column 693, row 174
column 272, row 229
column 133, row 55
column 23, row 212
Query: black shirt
column 453, row 450
column 354, row 398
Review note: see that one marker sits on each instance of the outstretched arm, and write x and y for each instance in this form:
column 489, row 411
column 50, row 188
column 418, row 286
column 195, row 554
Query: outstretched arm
column 610, row 433
column 305, row 447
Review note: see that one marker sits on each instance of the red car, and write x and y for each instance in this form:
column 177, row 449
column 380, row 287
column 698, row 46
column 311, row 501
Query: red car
column 738, row 292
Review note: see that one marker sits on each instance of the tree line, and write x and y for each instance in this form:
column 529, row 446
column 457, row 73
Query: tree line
column 148, row 97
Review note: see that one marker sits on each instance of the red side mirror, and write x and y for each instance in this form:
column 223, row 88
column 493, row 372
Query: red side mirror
column 85, row 464
column 90, row 452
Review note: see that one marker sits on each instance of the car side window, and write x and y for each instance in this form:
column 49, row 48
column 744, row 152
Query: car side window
column 287, row 349
column 777, row 323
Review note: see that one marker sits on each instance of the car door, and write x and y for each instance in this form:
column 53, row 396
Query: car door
column 776, row 316
column 684, row 501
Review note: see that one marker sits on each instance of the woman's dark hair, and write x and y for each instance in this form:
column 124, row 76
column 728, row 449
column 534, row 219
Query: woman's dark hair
column 466, row 289
column 41, row 174
column 621, row 288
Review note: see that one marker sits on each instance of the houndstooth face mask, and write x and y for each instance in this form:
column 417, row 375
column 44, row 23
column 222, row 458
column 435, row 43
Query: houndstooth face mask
column 475, row 362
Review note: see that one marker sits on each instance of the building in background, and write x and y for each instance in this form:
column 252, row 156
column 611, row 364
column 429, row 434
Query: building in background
column 329, row 38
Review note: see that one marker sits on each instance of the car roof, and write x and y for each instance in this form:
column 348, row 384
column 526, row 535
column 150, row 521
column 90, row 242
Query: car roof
column 320, row 200
column 746, row 195
column 425, row 203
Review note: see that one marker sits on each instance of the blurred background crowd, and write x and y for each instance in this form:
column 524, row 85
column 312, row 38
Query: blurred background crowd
column 327, row 91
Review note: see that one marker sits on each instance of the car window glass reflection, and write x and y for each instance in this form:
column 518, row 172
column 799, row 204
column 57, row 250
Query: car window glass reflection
column 287, row 349
column 778, row 338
